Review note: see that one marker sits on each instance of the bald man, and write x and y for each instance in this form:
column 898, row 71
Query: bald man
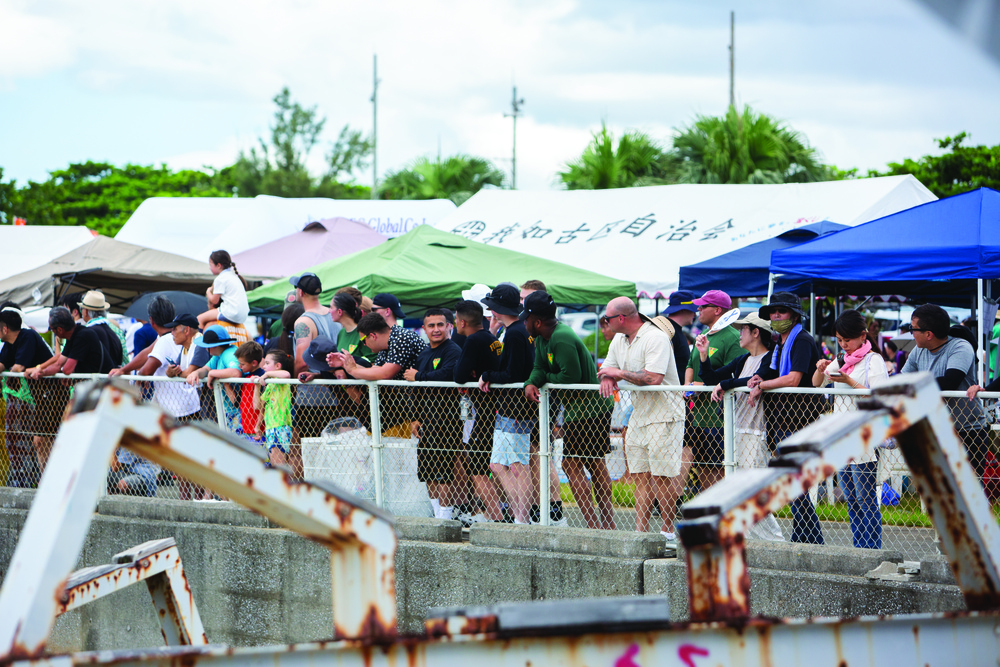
column 641, row 354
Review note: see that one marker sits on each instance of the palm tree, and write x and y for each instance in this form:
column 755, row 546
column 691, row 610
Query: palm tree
column 635, row 160
column 744, row 148
column 457, row 178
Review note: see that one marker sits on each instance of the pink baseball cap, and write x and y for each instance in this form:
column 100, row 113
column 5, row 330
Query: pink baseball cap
column 715, row 297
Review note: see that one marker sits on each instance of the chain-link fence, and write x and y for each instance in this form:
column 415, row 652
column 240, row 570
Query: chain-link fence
column 624, row 462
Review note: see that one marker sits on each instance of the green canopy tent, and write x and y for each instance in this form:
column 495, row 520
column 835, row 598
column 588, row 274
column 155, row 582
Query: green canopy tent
column 427, row 267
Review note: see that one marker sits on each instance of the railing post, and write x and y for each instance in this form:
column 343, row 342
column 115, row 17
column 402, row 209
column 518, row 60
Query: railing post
column 544, row 433
column 220, row 410
column 376, row 443
column 728, row 432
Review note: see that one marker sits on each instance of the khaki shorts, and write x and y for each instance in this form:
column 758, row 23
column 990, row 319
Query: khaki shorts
column 655, row 448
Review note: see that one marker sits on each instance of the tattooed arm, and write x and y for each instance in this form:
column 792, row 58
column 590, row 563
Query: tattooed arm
column 304, row 332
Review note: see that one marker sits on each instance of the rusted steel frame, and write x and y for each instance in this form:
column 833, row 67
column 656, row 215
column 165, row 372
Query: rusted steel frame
column 55, row 529
column 950, row 640
column 956, row 505
column 717, row 520
column 158, row 563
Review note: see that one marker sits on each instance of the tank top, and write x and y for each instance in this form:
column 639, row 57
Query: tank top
column 316, row 394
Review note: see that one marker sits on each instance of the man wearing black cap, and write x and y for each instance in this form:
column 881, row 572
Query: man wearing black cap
column 562, row 358
column 388, row 307
column 681, row 311
column 518, row 417
column 792, row 365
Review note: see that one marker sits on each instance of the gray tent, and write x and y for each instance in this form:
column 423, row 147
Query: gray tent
column 121, row 270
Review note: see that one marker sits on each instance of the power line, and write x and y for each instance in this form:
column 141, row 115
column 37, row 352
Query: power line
column 732, row 56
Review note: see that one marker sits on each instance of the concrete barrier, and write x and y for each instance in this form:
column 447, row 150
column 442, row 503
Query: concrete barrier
column 255, row 584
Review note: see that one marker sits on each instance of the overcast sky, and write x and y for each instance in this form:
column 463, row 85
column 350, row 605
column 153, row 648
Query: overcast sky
column 190, row 83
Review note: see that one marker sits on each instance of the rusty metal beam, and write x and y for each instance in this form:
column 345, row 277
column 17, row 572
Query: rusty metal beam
column 361, row 537
column 908, row 408
column 156, row 562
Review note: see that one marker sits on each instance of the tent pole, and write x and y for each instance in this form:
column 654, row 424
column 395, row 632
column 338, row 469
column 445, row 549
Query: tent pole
column 771, row 279
column 812, row 313
column 983, row 350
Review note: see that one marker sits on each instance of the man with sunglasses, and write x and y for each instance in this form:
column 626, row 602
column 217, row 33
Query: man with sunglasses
column 641, row 354
column 703, row 426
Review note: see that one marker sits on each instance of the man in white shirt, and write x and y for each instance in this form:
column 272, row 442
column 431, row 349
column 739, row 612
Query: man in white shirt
column 642, row 354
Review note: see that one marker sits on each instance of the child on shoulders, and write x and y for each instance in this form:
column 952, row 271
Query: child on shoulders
column 227, row 297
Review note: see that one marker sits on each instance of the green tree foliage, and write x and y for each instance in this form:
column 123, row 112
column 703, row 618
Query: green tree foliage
column 98, row 195
column 959, row 169
column 456, row 178
column 278, row 167
column 747, row 147
column 8, row 190
column 633, row 160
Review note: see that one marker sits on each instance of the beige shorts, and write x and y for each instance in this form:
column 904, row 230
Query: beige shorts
column 655, row 448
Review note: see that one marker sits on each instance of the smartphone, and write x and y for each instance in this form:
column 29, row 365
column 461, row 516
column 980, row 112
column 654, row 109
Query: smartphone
column 835, row 374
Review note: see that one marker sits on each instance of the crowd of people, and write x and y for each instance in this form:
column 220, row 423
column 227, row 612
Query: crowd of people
column 477, row 447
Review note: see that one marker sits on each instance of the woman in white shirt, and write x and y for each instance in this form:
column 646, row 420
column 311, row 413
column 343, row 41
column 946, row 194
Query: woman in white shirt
column 227, row 297
column 860, row 366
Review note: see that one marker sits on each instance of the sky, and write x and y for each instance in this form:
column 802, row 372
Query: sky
column 191, row 83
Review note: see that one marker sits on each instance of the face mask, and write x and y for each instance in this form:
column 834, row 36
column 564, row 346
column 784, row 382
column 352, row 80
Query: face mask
column 782, row 326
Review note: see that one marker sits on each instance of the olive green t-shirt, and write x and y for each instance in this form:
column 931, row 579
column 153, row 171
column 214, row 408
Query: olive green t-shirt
column 563, row 359
column 351, row 341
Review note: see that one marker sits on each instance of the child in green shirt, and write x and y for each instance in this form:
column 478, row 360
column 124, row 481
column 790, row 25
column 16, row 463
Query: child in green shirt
column 276, row 402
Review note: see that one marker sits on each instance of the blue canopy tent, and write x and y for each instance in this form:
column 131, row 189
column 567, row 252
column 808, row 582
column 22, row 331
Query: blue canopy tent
column 744, row 272
column 950, row 246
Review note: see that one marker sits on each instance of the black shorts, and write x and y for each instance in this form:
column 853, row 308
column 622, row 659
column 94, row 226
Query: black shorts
column 440, row 442
column 587, row 438
column 707, row 445
column 480, row 445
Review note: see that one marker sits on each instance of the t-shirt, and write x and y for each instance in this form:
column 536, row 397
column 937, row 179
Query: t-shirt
column 227, row 360
column 563, row 359
column 28, row 350
column 723, row 348
column 249, row 415
column 480, row 354
column 351, row 341
column 517, row 358
column 277, row 400
column 234, row 306
column 85, row 348
column 110, row 343
column 869, row 372
column 177, row 398
column 682, row 351
column 652, row 351
column 404, row 346
column 958, row 354
column 143, row 338
column 437, row 364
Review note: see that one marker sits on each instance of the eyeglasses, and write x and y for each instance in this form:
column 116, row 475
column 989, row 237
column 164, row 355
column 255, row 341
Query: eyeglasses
column 920, row 330
column 781, row 310
column 704, row 307
column 605, row 319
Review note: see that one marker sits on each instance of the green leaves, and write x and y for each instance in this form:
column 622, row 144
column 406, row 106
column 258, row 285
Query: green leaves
column 457, row 178
column 635, row 159
column 960, row 169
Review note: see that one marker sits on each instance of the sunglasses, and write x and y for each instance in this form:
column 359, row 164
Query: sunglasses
column 920, row 330
column 605, row 320
column 781, row 310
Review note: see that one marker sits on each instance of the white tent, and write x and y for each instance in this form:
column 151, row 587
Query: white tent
column 195, row 226
column 646, row 234
column 30, row 246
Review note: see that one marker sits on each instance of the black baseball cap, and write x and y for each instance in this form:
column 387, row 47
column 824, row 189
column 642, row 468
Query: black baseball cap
column 187, row 319
column 315, row 356
column 309, row 283
column 386, row 300
column 540, row 304
column 504, row 299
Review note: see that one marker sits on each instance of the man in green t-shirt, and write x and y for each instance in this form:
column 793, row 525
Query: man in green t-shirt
column 561, row 358
column 704, row 424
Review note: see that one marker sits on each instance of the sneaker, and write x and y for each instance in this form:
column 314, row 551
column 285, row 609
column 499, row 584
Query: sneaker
column 671, row 537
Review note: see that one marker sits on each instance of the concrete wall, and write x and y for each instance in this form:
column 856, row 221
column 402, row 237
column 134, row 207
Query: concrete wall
column 255, row 584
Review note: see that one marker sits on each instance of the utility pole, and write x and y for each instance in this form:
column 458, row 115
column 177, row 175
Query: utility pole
column 515, row 105
column 374, row 101
column 732, row 49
